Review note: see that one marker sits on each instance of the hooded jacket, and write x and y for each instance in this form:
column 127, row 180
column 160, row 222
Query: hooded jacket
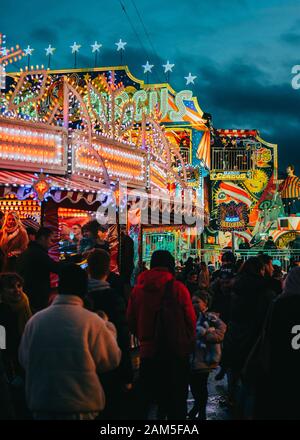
column 144, row 304
column 62, row 350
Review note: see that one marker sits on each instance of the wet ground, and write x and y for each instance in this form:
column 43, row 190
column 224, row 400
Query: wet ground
column 217, row 408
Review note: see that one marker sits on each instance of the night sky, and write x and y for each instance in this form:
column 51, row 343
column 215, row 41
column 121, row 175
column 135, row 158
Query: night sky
column 242, row 52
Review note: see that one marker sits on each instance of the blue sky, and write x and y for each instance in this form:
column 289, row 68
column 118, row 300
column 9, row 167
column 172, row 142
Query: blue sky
column 242, row 52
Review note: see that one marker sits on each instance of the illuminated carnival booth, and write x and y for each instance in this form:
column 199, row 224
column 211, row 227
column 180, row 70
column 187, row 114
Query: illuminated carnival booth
column 70, row 138
column 249, row 203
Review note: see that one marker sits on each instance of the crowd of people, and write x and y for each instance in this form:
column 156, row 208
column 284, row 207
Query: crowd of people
column 69, row 352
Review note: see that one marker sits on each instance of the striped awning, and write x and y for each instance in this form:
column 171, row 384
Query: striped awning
column 74, row 188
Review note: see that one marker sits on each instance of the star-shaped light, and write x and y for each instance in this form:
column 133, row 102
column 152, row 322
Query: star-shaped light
column 75, row 47
column 148, row 67
column 121, row 45
column 96, row 47
column 49, row 50
column 3, row 51
column 168, row 67
column 28, row 50
column 190, row 79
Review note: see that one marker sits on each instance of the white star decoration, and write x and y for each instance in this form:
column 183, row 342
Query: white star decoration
column 168, row 67
column 28, row 50
column 75, row 47
column 96, row 47
column 148, row 67
column 121, row 45
column 190, row 79
column 49, row 50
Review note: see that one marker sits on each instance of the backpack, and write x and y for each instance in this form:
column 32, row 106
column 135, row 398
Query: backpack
column 174, row 336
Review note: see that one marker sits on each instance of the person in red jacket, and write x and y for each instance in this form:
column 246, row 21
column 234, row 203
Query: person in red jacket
column 163, row 379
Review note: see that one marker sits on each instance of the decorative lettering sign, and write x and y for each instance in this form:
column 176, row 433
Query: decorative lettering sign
column 232, row 216
column 231, row 175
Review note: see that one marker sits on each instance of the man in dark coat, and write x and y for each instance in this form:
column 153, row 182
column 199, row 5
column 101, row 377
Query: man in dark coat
column 102, row 298
column 35, row 267
column 278, row 388
column 250, row 302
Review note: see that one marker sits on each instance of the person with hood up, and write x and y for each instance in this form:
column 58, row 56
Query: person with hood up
column 163, row 378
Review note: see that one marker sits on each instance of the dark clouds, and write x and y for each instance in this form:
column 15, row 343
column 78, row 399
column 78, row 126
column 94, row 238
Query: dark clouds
column 242, row 52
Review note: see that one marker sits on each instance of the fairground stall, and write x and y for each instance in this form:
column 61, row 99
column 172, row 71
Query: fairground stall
column 248, row 201
column 70, row 139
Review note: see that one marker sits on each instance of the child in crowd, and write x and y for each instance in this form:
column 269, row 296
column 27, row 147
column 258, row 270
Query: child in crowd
column 210, row 331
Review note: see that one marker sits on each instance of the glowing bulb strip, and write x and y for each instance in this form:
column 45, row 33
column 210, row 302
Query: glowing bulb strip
column 21, row 144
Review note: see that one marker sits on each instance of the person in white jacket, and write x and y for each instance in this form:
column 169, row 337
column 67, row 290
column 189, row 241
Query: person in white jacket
column 63, row 350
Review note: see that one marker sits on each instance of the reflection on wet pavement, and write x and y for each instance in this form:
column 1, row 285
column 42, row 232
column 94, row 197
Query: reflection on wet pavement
column 217, row 408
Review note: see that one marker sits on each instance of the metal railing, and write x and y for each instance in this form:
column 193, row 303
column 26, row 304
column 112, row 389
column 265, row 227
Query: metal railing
column 232, row 159
column 283, row 256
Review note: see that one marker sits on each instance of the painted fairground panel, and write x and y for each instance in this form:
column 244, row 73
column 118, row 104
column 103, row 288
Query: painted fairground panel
column 257, row 190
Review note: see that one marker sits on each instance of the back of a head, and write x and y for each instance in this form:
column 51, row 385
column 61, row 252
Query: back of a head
column 92, row 227
column 8, row 280
column 98, row 263
column 265, row 259
column 252, row 266
column 228, row 257
column 31, row 231
column 73, row 281
column 43, row 232
column 163, row 258
column 292, row 282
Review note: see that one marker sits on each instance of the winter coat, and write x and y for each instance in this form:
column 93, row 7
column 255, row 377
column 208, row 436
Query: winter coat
column 63, row 349
column 221, row 302
column 144, row 304
column 19, row 304
column 210, row 331
column 251, row 300
column 278, row 361
column 35, row 266
column 102, row 297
